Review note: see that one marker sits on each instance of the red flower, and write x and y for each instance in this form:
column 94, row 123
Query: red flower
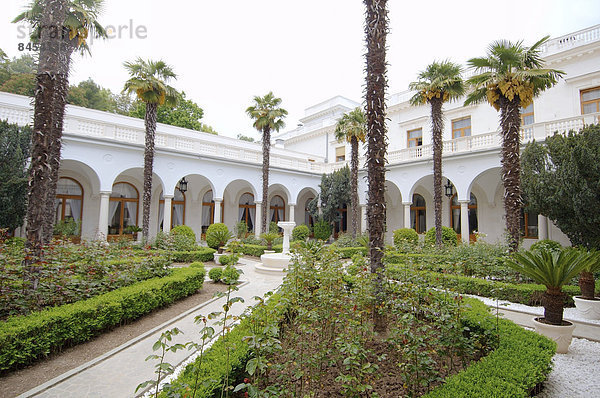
column 246, row 380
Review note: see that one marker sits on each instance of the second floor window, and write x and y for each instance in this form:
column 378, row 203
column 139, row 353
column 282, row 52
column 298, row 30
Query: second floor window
column 590, row 100
column 461, row 127
column 415, row 137
column 527, row 115
column 340, row 154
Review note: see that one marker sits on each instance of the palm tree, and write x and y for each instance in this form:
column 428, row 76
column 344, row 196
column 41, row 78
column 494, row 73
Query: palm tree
column 438, row 83
column 268, row 116
column 352, row 128
column 148, row 79
column 376, row 29
column 509, row 77
column 60, row 27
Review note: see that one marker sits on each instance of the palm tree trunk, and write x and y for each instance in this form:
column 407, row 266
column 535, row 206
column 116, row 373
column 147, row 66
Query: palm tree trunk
column 553, row 301
column 376, row 29
column 437, row 123
column 150, row 122
column 58, row 112
column 510, row 123
column 43, row 143
column 587, row 285
column 265, row 177
column 354, row 185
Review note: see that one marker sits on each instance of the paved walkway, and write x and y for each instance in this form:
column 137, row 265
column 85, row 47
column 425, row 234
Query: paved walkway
column 117, row 373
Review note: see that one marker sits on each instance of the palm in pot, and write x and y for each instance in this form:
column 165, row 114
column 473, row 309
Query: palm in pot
column 553, row 269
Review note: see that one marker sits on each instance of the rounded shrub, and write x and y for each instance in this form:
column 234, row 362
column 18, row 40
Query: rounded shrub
column 197, row 264
column 230, row 275
column 184, row 238
column 404, row 237
column 215, row 274
column 300, row 232
column 225, row 260
column 322, row 230
column 449, row 237
column 546, row 244
column 217, row 235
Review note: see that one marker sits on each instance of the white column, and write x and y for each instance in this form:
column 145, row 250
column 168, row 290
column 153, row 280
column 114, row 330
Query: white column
column 363, row 217
column 542, row 227
column 464, row 220
column 103, row 216
column 167, row 214
column 258, row 219
column 407, row 214
column 292, row 216
column 218, row 209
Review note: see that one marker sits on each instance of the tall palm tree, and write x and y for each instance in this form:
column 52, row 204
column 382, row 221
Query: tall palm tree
column 148, row 79
column 509, row 77
column 60, row 27
column 268, row 116
column 438, row 83
column 352, row 128
column 376, row 29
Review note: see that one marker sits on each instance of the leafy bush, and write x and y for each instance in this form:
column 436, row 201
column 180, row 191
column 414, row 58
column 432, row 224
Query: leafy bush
column 269, row 238
column 215, row 274
column 25, row 339
column 405, row 237
column 197, row 264
column 241, row 229
column 322, row 230
column 349, row 252
column 230, row 275
column 184, row 238
column 300, row 232
column 546, row 244
column 273, row 227
column 67, row 227
column 163, row 241
column 449, row 237
column 228, row 259
column 200, row 254
column 217, row 235
column 252, row 240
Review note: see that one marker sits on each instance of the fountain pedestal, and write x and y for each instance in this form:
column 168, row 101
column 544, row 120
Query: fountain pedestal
column 277, row 263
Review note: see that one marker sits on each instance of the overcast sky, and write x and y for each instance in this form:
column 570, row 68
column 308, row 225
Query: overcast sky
column 305, row 51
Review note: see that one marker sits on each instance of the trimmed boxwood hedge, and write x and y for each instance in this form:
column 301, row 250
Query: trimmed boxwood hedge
column 201, row 254
column 257, row 250
column 525, row 293
column 348, row 252
column 522, row 360
column 24, row 339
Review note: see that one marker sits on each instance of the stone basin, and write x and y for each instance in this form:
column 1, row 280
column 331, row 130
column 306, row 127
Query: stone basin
column 273, row 263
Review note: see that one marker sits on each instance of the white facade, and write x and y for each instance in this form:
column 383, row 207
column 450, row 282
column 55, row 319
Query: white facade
column 102, row 149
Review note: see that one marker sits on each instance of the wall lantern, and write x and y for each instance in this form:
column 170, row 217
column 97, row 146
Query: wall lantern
column 449, row 189
column 182, row 185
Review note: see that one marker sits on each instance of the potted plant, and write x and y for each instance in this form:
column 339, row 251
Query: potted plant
column 269, row 237
column 552, row 269
column 217, row 236
column 132, row 230
column 587, row 304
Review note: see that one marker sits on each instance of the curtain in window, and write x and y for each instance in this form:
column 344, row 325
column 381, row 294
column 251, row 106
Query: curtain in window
column 161, row 215
column 75, row 205
column 113, row 206
column 57, row 209
column 251, row 216
column 129, row 218
column 280, row 215
column 206, row 210
column 177, row 215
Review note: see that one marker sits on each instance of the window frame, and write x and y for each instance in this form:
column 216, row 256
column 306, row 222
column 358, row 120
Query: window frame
column 417, row 140
column 596, row 101
column 462, row 129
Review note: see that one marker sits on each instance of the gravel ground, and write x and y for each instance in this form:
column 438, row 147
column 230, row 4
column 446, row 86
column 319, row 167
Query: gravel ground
column 575, row 374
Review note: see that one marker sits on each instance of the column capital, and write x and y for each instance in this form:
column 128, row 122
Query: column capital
column 168, row 196
column 217, row 199
column 407, row 203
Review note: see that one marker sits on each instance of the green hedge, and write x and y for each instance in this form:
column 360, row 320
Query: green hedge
column 348, row 252
column 257, row 250
column 525, row 293
column 25, row 339
column 522, row 360
column 202, row 254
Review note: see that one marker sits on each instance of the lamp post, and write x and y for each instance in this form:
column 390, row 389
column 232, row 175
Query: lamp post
column 182, row 185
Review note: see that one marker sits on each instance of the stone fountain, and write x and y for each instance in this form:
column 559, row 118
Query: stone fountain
column 277, row 263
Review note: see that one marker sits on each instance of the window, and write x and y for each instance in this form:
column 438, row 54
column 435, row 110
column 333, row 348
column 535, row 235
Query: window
column 527, row 115
column 208, row 210
column 340, row 154
column 123, row 207
column 590, row 100
column 247, row 210
column 415, row 137
column 418, row 213
column 461, row 127
column 69, row 200
column 177, row 209
column 277, row 210
column 529, row 224
column 455, row 215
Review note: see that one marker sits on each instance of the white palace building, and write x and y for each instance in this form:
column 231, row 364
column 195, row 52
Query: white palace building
column 102, row 161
